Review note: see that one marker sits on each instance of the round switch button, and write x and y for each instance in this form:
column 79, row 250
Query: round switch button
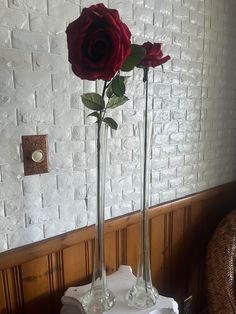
column 37, row 156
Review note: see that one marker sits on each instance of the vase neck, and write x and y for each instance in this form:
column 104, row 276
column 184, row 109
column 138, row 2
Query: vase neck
column 99, row 273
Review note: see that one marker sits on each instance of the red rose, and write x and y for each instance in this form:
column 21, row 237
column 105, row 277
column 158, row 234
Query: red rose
column 154, row 55
column 98, row 43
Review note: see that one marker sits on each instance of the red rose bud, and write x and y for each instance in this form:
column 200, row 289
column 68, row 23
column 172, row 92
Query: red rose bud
column 154, row 55
column 98, row 43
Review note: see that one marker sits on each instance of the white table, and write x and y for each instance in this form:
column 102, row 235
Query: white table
column 119, row 283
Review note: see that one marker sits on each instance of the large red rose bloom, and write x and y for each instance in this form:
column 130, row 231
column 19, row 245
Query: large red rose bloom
column 98, row 43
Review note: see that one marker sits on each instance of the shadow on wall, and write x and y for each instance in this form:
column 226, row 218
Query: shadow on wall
column 217, row 148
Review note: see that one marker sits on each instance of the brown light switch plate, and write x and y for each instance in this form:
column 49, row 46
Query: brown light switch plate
column 35, row 154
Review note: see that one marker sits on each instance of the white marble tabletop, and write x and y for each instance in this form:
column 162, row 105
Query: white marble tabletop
column 119, row 282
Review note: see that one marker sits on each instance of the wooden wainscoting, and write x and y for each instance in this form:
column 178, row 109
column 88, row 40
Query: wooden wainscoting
column 34, row 277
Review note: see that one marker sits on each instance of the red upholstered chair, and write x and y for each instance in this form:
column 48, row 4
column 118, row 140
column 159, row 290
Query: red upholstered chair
column 221, row 265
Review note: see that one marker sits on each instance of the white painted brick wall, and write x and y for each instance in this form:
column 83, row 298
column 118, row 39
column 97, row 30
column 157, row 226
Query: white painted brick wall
column 193, row 102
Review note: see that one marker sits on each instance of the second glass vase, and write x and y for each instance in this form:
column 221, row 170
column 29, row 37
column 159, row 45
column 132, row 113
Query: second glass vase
column 143, row 294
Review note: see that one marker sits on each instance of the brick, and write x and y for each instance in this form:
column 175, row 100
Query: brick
column 180, row 12
column 194, row 92
column 130, row 143
column 78, row 133
column 172, row 23
column 177, row 138
column 49, row 63
column 196, row 43
column 32, row 80
column 133, row 115
column 70, row 147
column 88, row 3
column 121, row 157
column 192, row 137
column 58, row 44
column 193, row 5
column 185, row 170
column 158, row 185
column 59, row 226
column 124, row 7
column 47, row 24
column 35, row 117
column 150, row 4
column 170, row 127
column 3, row 3
column 190, row 179
column 29, row 41
column 181, row 39
column 13, row 205
column 136, row 28
column 10, row 154
column 176, row 182
column 191, row 158
column 6, row 80
column 149, row 32
column 162, row 90
column 167, row 195
column 196, row 18
column 5, row 40
column 14, row 18
column 3, row 243
column 124, row 183
column 29, row 5
column 158, row 18
column 164, row 7
column 13, row 58
column 12, row 98
column 143, row 14
column 170, row 103
column 60, row 8
column 168, row 173
column 124, row 207
column 11, row 223
column 159, row 164
column 7, row 117
column 182, row 191
column 163, row 35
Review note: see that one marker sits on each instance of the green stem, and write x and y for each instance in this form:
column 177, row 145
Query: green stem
column 99, row 213
column 103, row 112
column 144, row 209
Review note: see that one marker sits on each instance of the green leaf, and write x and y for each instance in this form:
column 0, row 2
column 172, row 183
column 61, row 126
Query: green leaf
column 111, row 122
column 94, row 114
column 93, row 101
column 109, row 91
column 136, row 56
column 118, row 86
column 115, row 101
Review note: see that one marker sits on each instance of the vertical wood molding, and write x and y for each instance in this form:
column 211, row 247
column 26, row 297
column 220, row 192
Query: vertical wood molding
column 18, row 287
column 6, row 291
column 33, row 278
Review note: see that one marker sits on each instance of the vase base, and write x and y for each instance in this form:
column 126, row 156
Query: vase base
column 142, row 296
column 98, row 301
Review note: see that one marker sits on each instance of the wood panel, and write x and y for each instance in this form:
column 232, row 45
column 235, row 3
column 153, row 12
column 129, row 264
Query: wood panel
column 34, row 277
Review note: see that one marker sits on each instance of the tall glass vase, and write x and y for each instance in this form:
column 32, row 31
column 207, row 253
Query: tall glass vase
column 143, row 295
column 99, row 298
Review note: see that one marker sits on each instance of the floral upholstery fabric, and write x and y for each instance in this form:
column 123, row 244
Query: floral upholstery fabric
column 220, row 268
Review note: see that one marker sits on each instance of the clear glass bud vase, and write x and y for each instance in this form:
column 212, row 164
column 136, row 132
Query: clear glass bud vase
column 143, row 295
column 99, row 299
